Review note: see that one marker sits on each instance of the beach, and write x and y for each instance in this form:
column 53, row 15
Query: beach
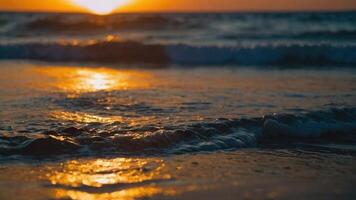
column 80, row 154
column 247, row 174
column 122, row 107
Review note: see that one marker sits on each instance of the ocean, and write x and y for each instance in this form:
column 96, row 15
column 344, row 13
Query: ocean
column 277, row 39
column 112, row 107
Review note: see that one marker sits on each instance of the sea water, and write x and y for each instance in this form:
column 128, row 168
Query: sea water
column 178, row 106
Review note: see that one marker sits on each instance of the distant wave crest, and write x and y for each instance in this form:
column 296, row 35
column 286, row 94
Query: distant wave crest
column 87, row 24
column 136, row 52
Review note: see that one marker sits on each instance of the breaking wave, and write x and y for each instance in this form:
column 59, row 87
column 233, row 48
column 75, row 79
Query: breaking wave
column 333, row 126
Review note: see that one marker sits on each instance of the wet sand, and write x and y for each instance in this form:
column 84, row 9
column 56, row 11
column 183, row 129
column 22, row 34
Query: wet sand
column 107, row 133
column 178, row 106
column 247, row 174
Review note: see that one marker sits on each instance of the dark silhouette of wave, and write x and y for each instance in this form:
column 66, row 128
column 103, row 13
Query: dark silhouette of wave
column 136, row 52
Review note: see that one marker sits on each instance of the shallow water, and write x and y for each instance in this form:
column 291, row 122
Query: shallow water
column 178, row 106
column 108, row 110
column 252, row 174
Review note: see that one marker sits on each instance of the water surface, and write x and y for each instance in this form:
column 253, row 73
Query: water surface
column 181, row 106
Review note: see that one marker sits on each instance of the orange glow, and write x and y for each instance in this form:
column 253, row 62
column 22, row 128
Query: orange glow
column 78, row 80
column 127, row 194
column 102, row 172
column 84, row 117
column 112, row 174
column 107, row 6
column 101, row 7
column 96, row 81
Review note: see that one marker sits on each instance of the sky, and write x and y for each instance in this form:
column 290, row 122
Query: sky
column 186, row 5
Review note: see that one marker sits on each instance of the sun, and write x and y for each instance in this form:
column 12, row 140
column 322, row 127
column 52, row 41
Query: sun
column 101, row 7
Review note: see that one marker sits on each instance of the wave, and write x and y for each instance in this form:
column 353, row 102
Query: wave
column 136, row 52
column 329, row 126
column 289, row 55
column 327, row 34
column 85, row 24
column 338, row 35
column 82, row 23
column 102, row 52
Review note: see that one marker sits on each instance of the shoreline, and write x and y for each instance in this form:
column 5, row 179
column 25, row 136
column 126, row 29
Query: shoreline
column 244, row 174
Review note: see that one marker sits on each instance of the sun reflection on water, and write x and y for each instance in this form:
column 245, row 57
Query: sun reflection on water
column 80, row 79
column 120, row 178
column 101, row 172
column 84, row 117
column 128, row 194
column 96, row 80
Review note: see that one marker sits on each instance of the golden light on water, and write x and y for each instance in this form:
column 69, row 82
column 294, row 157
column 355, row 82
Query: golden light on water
column 76, row 80
column 96, row 80
column 128, row 194
column 101, row 172
column 101, row 7
column 84, row 117
column 120, row 178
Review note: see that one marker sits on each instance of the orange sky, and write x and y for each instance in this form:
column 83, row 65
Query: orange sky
column 188, row 5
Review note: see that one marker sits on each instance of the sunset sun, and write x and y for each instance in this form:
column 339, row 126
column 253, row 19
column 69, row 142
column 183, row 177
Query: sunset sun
column 101, row 7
